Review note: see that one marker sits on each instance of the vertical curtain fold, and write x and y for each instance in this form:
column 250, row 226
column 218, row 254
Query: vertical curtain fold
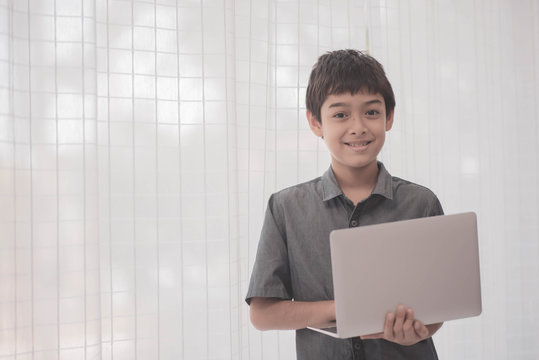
column 50, row 277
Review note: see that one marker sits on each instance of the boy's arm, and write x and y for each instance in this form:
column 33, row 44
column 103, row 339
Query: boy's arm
column 277, row 314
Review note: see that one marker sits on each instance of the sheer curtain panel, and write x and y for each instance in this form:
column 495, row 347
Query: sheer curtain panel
column 140, row 140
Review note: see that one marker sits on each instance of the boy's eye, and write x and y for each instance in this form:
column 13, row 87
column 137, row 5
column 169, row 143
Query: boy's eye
column 372, row 112
column 340, row 115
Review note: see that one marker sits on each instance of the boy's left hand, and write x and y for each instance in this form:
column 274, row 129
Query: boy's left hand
column 402, row 328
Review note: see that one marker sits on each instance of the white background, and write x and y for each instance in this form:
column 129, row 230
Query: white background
column 139, row 141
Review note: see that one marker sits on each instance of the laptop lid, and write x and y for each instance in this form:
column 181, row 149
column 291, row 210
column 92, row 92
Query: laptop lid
column 429, row 264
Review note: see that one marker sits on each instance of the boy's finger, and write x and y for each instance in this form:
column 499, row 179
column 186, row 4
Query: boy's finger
column 399, row 321
column 388, row 327
column 421, row 330
column 408, row 326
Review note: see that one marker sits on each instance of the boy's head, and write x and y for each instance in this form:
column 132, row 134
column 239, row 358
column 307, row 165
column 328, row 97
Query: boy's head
column 347, row 71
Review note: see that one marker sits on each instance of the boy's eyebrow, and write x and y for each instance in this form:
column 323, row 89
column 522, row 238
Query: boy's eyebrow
column 370, row 102
column 374, row 101
column 339, row 105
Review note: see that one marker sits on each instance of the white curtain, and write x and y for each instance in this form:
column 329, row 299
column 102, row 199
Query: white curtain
column 139, row 141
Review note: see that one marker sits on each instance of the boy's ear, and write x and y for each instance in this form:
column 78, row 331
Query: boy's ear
column 389, row 120
column 314, row 124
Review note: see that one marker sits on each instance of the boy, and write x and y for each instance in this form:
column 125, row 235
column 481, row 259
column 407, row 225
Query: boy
column 350, row 105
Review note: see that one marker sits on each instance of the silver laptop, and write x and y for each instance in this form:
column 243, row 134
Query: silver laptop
column 429, row 264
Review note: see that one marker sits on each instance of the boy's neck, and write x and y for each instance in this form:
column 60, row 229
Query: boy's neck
column 356, row 183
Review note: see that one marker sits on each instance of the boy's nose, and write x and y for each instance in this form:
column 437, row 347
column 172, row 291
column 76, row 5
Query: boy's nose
column 358, row 126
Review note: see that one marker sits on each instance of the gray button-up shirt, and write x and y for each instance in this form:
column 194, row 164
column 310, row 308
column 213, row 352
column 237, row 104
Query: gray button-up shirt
column 293, row 258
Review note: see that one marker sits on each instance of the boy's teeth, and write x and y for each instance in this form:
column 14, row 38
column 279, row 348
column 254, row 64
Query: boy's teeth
column 361, row 144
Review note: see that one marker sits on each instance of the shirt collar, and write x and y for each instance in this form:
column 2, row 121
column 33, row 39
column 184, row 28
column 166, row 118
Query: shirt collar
column 331, row 188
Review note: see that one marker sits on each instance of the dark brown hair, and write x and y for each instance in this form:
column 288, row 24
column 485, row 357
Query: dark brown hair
column 342, row 71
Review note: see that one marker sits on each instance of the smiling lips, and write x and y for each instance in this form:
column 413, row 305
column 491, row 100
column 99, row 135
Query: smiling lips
column 358, row 145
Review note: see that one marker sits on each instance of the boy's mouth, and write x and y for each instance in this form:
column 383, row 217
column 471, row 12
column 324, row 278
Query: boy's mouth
column 358, row 145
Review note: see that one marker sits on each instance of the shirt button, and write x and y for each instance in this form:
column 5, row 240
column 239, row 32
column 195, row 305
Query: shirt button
column 353, row 223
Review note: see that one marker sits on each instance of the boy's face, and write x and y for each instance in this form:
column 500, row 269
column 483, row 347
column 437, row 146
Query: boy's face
column 354, row 128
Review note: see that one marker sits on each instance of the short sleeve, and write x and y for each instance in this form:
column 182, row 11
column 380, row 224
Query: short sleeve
column 435, row 207
column 271, row 271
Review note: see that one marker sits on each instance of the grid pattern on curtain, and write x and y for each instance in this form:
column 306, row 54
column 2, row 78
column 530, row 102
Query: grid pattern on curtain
column 168, row 226
column 140, row 140
column 49, row 247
